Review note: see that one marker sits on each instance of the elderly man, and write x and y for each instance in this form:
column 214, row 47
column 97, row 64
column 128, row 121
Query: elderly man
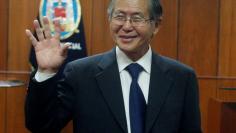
column 129, row 89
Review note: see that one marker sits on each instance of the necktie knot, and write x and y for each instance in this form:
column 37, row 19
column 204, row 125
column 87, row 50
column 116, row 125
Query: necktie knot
column 134, row 70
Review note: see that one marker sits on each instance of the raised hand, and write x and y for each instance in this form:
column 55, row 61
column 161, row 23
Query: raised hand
column 50, row 55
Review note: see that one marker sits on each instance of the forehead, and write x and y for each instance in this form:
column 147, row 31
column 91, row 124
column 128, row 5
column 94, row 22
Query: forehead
column 131, row 6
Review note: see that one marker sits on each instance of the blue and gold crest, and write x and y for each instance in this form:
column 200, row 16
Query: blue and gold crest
column 67, row 11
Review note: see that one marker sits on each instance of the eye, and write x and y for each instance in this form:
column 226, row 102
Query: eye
column 119, row 17
column 137, row 19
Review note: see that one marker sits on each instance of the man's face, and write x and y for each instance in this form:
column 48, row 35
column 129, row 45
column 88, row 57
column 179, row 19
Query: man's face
column 129, row 38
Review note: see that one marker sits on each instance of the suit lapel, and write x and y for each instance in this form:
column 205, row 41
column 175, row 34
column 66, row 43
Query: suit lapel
column 160, row 85
column 109, row 83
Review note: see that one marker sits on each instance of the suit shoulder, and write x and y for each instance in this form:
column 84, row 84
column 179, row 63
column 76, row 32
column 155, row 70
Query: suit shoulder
column 87, row 61
column 175, row 66
column 85, row 66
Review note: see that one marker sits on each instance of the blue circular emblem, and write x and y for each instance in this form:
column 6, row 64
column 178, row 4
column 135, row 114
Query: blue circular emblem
column 67, row 11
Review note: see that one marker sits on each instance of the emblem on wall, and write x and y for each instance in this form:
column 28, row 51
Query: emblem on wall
column 67, row 11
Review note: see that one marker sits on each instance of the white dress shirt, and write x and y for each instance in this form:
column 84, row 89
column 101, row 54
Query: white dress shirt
column 123, row 61
column 143, row 80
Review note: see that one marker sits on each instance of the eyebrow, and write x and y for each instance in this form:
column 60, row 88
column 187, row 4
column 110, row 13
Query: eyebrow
column 135, row 13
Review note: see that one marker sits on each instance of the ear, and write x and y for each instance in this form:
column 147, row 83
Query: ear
column 157, row 25
column 156, row 30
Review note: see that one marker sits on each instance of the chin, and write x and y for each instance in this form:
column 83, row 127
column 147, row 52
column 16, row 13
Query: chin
column 126, row 48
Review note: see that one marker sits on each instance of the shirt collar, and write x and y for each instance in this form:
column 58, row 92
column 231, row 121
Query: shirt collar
column 123, row 60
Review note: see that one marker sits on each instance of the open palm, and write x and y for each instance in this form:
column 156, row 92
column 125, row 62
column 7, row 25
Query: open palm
column 49, row 53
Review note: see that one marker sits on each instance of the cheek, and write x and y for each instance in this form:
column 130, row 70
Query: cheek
column 114, row 30
column 145, row 34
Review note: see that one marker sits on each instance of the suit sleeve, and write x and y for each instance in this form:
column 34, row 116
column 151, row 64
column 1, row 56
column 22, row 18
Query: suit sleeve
column 191, row 122
column 49, row 104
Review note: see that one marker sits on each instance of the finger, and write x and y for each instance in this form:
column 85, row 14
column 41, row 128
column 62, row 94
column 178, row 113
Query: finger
column 39, row 31
column 57, row 29
column 47, row 30
column 31, row 37
column 65, row 48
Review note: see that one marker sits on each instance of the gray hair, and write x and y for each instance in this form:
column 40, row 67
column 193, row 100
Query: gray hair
column 155, row 9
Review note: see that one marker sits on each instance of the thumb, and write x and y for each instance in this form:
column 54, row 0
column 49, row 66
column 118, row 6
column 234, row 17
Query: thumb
column 64, row 49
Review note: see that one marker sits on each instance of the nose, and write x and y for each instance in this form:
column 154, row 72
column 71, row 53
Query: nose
column 127, row 26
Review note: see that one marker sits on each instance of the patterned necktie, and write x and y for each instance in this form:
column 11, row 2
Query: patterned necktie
column 137, row 104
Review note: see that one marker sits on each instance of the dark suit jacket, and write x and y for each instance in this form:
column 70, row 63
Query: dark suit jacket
column 90, row 93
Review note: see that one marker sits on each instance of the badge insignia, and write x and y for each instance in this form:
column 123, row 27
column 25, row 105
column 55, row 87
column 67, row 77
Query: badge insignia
column 67, row 11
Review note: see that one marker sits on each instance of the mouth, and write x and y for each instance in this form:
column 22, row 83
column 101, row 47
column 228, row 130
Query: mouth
column 127, row 38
